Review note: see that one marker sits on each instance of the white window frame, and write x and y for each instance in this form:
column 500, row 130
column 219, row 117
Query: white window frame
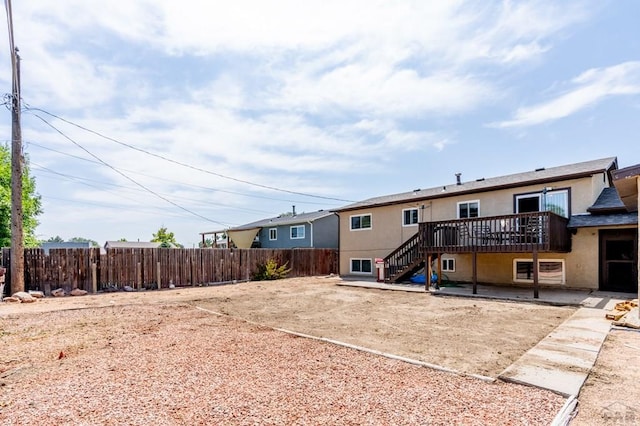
column 545, row 198
column 297, row 237
column 360, row 272
column 466, row 202
column 541, row 274
column 417, row 217
column 351, row 228
column 273, row 234
column 445, row 264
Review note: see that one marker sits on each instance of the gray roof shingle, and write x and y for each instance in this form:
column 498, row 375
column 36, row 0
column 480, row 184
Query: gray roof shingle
column 285, row 220
column 481, row 185
column 608, row 202
column 591, row 220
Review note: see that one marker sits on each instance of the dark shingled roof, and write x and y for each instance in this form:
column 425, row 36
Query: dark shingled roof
column 608, row 202
column 591, row 220
column 284, row 220
column 570, row 171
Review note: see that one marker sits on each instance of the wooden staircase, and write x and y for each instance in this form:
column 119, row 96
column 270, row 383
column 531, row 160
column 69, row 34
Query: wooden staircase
column 404, row 260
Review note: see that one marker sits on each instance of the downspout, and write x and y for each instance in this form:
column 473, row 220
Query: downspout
column 311, row 229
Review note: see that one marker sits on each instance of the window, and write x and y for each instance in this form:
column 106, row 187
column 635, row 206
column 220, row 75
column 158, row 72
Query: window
column 556, row 201
column 361, row 222
column 549, row 271
column 448, row 265
column 273, row 234
column 361, row 266
column 468, row 209
column 409, row 217
column 297, row 232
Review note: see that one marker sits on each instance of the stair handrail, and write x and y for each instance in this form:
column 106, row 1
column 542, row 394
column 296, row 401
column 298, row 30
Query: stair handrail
column 412, row 245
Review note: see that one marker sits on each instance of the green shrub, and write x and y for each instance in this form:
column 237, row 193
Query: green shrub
column 271, row 271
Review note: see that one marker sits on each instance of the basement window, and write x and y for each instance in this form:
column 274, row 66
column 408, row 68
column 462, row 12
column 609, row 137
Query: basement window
column 361, row 266
column 448, row 265
column 550, row 271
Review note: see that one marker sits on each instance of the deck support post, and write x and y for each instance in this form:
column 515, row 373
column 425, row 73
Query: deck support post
column 439, row 269
column 427, row 271
column 474, row 267
column 536, row 284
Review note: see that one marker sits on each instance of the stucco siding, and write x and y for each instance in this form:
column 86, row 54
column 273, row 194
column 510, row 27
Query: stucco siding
column 583, row 267
column 387, row 232
column 498, row 269
column 384, row 236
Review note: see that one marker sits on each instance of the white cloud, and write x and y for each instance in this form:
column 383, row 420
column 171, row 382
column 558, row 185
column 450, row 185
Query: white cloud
column 590, row 88
column 307, row 96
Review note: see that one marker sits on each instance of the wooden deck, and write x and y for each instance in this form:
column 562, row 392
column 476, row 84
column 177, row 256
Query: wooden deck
column 539, row 232
column 517, row 233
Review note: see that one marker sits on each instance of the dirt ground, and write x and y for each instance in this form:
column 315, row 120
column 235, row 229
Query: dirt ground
column 471, row 336
column 611, row 395
column 468, row 335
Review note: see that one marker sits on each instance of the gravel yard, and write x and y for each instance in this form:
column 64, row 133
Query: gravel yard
column 154, row 358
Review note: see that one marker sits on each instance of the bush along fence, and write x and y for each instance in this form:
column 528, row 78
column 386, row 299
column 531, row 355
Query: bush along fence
column 88, row 269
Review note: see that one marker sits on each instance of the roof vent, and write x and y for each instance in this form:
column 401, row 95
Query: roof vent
column 479, row 180
column 540, row 169
column 458, row 181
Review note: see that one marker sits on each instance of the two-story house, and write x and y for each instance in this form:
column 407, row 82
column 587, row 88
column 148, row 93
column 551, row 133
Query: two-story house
column 304, row 230
column 561, row 226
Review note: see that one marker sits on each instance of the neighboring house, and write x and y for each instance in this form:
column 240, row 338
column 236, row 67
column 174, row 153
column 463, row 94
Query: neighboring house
column 561, row 226
column 64, row 245
column 218, row 238
column 311, row 230
column 130, row 244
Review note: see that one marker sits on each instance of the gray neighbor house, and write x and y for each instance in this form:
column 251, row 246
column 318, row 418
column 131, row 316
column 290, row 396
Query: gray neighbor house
column 305, row 230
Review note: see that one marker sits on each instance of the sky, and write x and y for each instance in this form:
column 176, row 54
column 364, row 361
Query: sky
column 200, row 115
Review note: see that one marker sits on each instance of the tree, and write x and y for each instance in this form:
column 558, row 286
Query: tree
column 167, row 239
column 208, row 242
column 31, row 203
column 56, row 239
column 84, row 240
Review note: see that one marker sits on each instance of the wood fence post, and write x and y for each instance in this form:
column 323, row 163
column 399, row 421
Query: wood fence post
column 139, row 275
column 94, row 277
column 158, row 275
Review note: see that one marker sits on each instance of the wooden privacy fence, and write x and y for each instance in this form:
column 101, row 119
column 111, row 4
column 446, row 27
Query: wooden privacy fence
column 87, row 269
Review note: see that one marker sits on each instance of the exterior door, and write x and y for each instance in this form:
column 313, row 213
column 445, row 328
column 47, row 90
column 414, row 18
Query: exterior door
column 619, row 260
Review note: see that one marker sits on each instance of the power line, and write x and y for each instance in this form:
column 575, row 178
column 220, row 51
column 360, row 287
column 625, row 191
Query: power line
column 175, row 181
column 111, row 206
column 127, row 177
column 273, row 188
column 80, row 179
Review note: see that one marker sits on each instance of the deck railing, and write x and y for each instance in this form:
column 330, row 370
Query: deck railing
column 523, row 232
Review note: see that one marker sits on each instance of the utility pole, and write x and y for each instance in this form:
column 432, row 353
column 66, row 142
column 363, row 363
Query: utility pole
column 17, row 235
